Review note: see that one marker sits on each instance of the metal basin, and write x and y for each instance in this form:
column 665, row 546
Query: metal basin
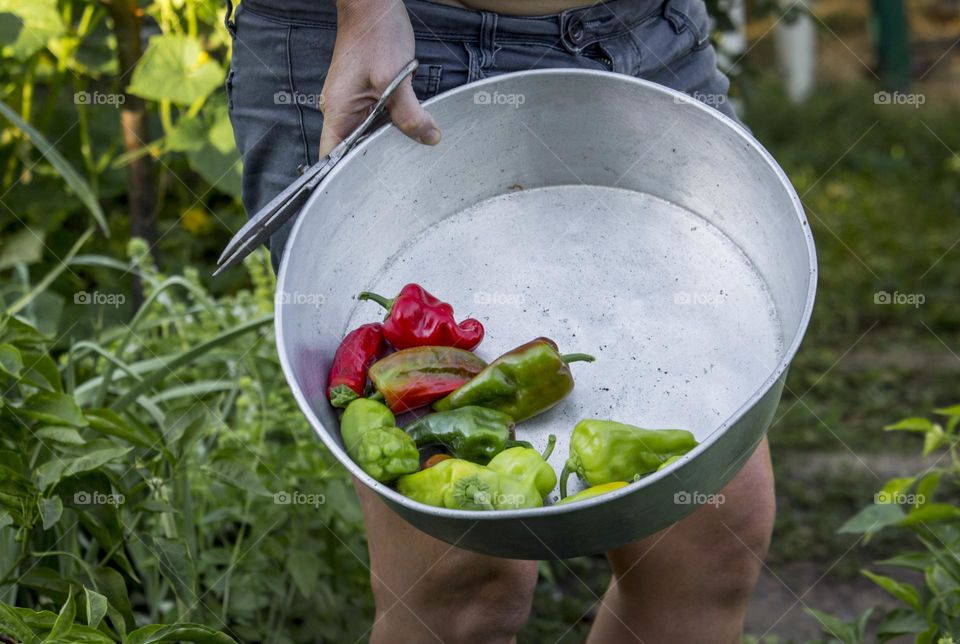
column 615, row 216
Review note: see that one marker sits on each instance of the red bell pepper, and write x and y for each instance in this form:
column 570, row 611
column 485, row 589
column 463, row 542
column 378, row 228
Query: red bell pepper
column 417, row 319
column 348, row 374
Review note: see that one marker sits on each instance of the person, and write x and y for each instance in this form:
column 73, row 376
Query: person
column 303, row 74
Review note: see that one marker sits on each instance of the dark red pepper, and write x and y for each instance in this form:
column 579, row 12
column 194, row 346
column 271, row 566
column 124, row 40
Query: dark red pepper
column 348, row 374
column 417, row 319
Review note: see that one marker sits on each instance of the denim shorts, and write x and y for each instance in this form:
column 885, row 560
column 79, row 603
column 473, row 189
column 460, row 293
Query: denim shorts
column 282, row 48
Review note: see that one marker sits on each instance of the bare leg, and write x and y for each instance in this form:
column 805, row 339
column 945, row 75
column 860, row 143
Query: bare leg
column 428, row 591
column 691, row 582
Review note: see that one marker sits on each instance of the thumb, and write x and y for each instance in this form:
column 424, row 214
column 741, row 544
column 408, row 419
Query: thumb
column 410, row 117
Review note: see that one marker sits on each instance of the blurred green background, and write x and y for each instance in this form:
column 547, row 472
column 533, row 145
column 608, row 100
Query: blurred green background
column 147, row 429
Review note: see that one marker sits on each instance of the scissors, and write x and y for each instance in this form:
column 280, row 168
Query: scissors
column 289, row 202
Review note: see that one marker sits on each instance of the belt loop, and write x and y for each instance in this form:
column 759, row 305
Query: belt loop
column 488, row 40
column 227, row 21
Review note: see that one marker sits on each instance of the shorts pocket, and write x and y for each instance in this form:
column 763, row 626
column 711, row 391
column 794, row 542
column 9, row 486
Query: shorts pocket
column 667, row 37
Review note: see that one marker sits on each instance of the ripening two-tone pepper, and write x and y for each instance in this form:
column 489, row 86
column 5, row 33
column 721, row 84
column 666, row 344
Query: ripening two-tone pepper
column 472, row 433
column 417, row 319
column 605, row 451
column 523, row 382
column 374, row 442
column 416, row 377
column 517, row 477
column 348, row 372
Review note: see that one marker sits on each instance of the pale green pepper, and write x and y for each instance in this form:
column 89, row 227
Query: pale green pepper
column 604, row 451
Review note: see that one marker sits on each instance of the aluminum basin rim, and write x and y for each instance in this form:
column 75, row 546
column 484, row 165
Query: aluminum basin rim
column 553, row 510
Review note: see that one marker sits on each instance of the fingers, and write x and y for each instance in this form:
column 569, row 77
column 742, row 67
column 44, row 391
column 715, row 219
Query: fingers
column 405, row 111
column 336, row 125
column 408, row 115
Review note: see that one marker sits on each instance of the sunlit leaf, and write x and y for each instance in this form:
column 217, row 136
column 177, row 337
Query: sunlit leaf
column 176, row 68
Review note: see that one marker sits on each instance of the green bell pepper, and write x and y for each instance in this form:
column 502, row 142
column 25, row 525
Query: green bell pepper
column 523, row 382
column 591, row 492
column 604, row 451
column 453, row 483
column 472, row 433
column 374, row 443
column 526, row 477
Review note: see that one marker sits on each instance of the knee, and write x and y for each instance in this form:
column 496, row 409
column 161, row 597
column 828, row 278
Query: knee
column 468, row 601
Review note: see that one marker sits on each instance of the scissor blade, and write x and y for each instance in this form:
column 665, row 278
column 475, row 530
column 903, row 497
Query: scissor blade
column 264, row 228
column 265, row 221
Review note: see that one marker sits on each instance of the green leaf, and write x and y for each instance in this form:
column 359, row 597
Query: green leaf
column 96, row 606
column 872, row 518
column 901, row 621
column 934, row 439
column 56, row 469
column 178, row 633
column 23, row 246
column 177, row 567
column 176, row 68
column 927, row 488
column 27, row 27
column 238, row 474
column 64, row 620
column 12, row 624
column 41, row 371
column 53, row 409
column 74, row 181
column 305, row 568
column 929, row 513
column 109, row 582
column 918, row 561
column 107, row 421
column 835, row 627
column 50, row 511
column 904, row 592
column 913, row 424
column 65, row 435
column 11, row 362
column 216, row 158
column 953, row 410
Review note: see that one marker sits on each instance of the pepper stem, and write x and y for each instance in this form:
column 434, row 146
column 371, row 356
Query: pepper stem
column 577, row 357
column 378, row 396
column 548, row 450
column 386, row 303
column 564, row 475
